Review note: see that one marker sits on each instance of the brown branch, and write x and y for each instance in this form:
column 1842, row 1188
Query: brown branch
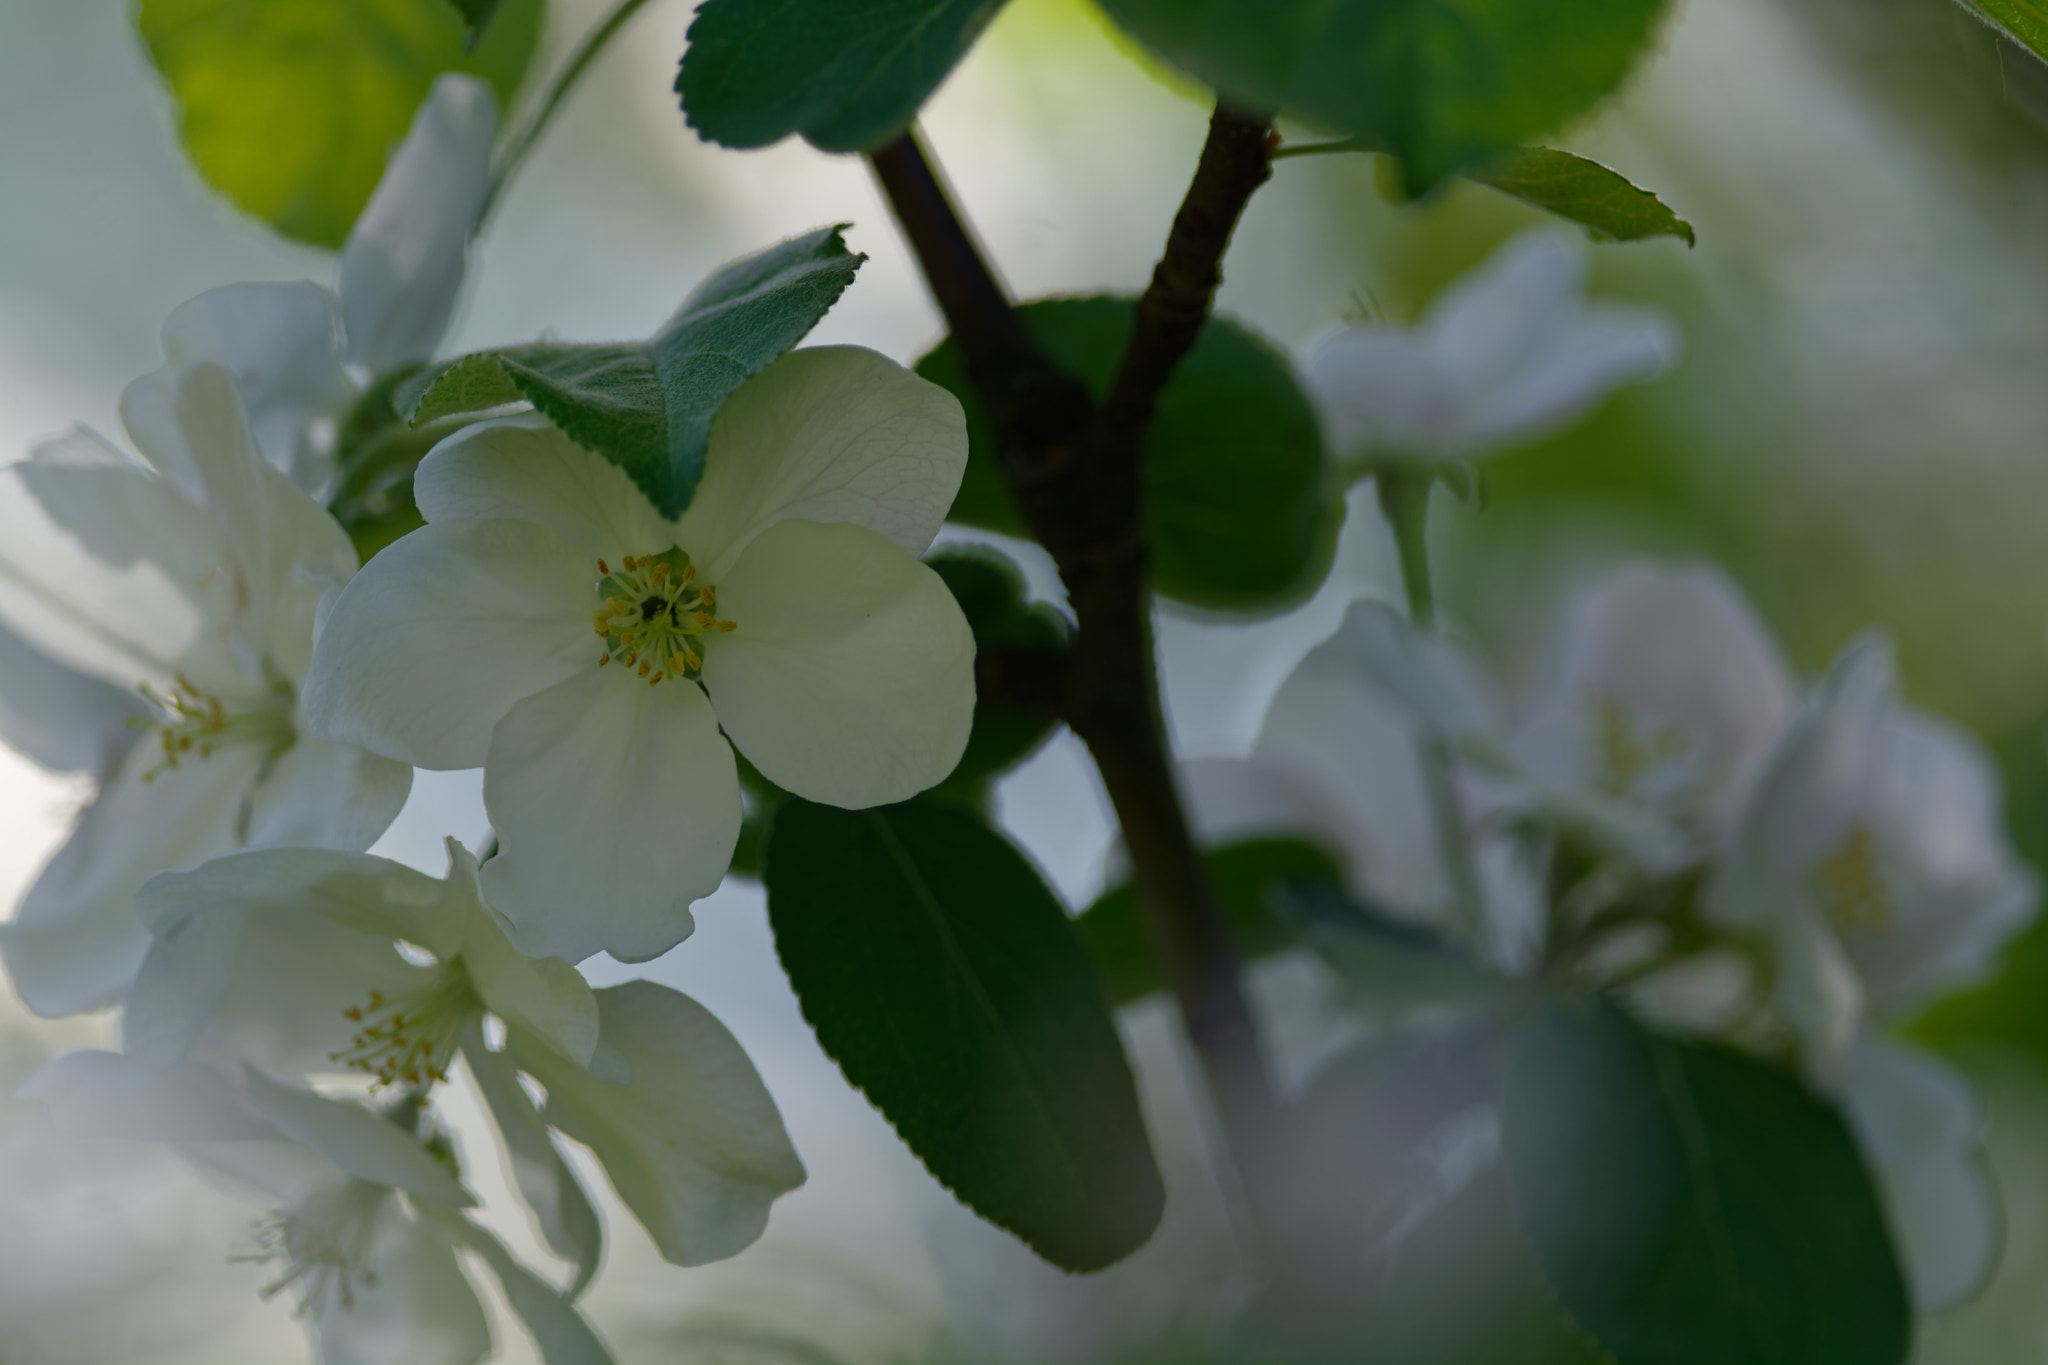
column 1076, row 468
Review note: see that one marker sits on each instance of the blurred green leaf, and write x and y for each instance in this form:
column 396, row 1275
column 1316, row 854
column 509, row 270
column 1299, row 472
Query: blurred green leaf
column 476, row 17
column 847, row 74
column 291, row 107
column 1584, row 192
column 944, row 977
column 2024, row 21
column 990, row 591
column 1692, row 1205
column 1247, row 877
column 648, row 406
column 1240, row 506
column 1442, row 84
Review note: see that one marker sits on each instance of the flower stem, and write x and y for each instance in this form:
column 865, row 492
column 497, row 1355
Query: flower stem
column 593, row 44
column 1076, row 467
column 1404, row 499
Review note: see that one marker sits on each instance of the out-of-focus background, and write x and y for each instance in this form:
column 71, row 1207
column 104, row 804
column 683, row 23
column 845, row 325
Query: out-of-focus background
column 1856, row 432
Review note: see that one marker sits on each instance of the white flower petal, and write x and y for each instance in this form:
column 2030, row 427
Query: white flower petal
column 559, row 1332
column 1381, row 392
column 281, row 342
column 544, row 995
column 545, row 1181
column 1232, row 799
column 616, row 805
column 113, row 571
column 321, row 795
column 694, row 1146
column 94, row 1094
column 266, row 950
column 1577, row 367
column 1957, row 892
column 1819, row 992
column 76, row 941
column 850, row 677
column 1918, row 1126
column 524, row 469
column 1803, row 802
column 365, row 1144
column 411, row 1302
column 62, row 719
column 442, row 632
column 831, row 434
column 401, row 268
column 1492, row 322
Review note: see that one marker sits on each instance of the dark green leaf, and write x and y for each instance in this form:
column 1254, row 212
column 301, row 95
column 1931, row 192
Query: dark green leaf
column 849, row 77
column 1240, row 506
column 2024, row 21
column 941, row 973
column 476, row 17
column 648, row 406
column 1586, row 192
column 1443, row 84
column 1247, row 877
column 291, row 107
column 990, row 591
column 1694, row 1206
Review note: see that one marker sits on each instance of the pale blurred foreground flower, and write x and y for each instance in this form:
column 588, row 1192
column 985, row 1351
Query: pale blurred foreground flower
column 195, row 577
column 550, row 626
column 1851, row 851
column 302, row 355
column 290, row 959
column 365, row 1218
column 1506, row 354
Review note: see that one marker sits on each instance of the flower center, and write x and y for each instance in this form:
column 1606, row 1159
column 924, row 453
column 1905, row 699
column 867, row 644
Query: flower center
column 195, row 724
column 1853, row 888
column 411, row 1036
column 321, row 1244
column 654, row 615
column 1626, row 751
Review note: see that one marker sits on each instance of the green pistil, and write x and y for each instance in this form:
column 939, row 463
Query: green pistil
column 195, row 724
column 412, row 1037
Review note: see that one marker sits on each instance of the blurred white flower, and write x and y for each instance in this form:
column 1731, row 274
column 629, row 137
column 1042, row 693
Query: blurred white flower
column 1871, row 854
column 1506, row 354
column 1663, row 701
column 364, row 1220
column 302, row 355
column 1356, row 751
column 526, row 628
column 306, row 963
column 195, row 577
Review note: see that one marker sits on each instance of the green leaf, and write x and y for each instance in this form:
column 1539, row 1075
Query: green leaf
column 648, row 406
column 990, row 591
column 943, row 976
column 1692, row 1205
column 1240, row 504
column 291, row 107
column 1247, row 877
column 847, row 75
column 1586, row 193
column 1443, row 84
column 476, row 17
column 2024, row 21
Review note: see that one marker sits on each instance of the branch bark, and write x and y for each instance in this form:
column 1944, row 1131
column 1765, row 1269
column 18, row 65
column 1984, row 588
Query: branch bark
column 1076, row 467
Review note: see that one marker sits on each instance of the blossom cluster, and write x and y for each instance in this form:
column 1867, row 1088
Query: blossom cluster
column 190, row 625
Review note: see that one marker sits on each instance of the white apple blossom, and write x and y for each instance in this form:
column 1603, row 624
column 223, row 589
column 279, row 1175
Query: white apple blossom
column 291, row 959
column 1506, row 354
column 302, row 355
column 1346, row 754
column 531, row 625
column 365, row 1218
column 194, row 578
